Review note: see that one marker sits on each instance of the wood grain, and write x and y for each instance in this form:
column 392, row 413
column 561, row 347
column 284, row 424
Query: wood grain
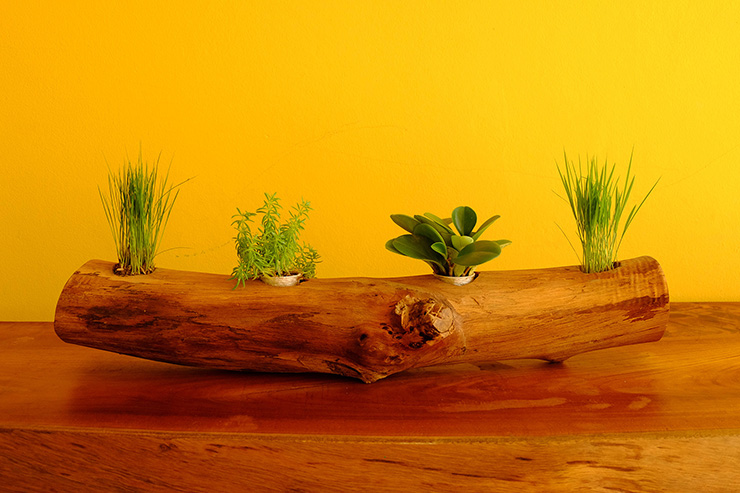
column 663, row 416
column 77, row 461
column 363, row 328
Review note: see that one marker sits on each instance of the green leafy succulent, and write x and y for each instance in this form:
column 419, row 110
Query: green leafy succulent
column 273, row 250
column 449, row 253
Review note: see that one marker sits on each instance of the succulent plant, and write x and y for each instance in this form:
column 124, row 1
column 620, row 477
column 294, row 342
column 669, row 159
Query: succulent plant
column 449, row 253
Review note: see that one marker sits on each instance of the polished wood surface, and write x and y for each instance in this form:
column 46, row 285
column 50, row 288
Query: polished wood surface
column 661, row 416
column 366, row 328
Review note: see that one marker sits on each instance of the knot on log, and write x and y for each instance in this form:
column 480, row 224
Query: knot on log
column 422, row 320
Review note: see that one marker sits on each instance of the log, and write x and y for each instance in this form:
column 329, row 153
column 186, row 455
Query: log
column 366, row 328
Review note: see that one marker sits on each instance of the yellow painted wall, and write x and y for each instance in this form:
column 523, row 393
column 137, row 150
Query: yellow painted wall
column 367, row 108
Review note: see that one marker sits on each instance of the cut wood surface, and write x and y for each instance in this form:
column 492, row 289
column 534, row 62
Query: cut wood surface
column 662, row 416
column 363, row 328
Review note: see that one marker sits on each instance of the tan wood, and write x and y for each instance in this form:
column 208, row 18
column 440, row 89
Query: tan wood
column 363, row 328
column 663, row 416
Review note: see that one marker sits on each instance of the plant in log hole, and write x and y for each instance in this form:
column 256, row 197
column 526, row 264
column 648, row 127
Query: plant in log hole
column 137, row 208
column 449, row 253
column 598, row 204
column 273, row 250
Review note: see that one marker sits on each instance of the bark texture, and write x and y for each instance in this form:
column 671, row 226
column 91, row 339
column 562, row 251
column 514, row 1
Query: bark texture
column 364, row 328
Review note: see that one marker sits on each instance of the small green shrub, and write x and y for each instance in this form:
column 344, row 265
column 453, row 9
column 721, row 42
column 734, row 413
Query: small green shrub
column 598, row 205
column 273, row 250
column 137, row 208
column 447, row 253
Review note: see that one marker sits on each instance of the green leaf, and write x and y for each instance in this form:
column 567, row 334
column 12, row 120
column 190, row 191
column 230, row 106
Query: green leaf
column 389, row 246
column 443, row 230
column 452, row 254
column 478, row 253
column 503, row 243
column 464, row 219
column 460, row 242
column 484, row 226
column 424, row 220
column 440, row 248
column 428, row 231
column 441, row 222
column 417, row 247
column 406, row 222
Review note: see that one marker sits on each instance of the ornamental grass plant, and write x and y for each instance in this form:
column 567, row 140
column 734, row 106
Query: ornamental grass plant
column 137, row 208
column 598, row 204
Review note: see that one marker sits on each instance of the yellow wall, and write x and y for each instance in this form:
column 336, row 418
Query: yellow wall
column 367, row 108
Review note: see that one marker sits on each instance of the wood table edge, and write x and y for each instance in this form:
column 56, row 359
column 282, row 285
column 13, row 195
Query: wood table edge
column 82, row 459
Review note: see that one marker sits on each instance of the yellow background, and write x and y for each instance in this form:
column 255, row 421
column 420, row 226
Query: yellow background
column 367, row 108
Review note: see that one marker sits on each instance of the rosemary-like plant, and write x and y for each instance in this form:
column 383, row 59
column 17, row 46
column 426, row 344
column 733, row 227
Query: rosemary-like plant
column 273, row 250
column 137, row 208
column 598, row 205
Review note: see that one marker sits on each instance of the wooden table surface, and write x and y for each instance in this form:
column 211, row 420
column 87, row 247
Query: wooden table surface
column 663, row 416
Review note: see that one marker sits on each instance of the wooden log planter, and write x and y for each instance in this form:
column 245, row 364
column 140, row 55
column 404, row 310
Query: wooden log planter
column 364, row 328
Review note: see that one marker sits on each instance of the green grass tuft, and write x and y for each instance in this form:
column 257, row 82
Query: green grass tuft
column 598, row 205
column 137, row 208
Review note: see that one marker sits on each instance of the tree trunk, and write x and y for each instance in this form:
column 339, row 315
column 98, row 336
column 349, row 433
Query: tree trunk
column 364, row 328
